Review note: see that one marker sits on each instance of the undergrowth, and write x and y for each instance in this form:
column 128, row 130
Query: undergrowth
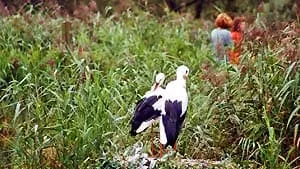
column 69, row 105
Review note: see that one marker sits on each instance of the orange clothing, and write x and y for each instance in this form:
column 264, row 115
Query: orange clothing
column 234, row 55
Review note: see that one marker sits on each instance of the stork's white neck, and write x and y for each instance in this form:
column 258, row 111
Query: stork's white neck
column 183, row 83
column 179, row 77
column 180, row 82
column 154, row 87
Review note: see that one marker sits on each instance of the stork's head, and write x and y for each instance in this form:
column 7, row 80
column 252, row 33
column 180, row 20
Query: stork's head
column 182, row 72
column 159, row 80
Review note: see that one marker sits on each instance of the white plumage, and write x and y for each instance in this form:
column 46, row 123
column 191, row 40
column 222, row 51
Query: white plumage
column 174, row 108
column 148, row 109
column 168, row 105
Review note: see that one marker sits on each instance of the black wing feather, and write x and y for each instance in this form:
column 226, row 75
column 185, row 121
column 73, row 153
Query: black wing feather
column 172, row 121
column 144, row 112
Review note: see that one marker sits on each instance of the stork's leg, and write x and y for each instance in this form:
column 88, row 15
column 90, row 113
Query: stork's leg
column 175, row 147
column 161, row 150
column 152, row 140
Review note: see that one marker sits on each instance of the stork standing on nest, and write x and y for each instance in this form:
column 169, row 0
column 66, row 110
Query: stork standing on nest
column 174, row 109
column 148, row 109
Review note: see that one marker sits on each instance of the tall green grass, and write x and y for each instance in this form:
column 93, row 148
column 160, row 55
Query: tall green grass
column 71, row 106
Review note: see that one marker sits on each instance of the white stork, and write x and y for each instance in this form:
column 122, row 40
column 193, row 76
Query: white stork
column 174, row 109
column 148, row 109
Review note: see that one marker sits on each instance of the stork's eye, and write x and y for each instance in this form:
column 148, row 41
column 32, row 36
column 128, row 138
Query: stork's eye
column 186, row 71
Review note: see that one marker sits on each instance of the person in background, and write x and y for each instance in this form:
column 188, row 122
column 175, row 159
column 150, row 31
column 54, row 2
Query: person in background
column 237, row 34
column 221, row 36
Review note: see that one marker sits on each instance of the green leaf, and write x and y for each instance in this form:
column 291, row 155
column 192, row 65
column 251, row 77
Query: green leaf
column 289, row 70
column 17, row 112
column 285, row 88
column 292, row 115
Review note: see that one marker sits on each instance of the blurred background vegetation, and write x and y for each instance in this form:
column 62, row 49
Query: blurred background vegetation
column 275, row 9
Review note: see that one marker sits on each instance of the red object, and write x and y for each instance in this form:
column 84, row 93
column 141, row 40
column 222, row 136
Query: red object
column 234, row 55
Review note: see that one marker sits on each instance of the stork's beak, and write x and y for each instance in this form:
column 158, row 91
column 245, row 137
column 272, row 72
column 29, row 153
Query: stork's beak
column 185, row 76
column 156, row 86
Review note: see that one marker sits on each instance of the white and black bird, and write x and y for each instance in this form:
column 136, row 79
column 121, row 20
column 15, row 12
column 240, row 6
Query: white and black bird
column 174, row 108
column 148, row 109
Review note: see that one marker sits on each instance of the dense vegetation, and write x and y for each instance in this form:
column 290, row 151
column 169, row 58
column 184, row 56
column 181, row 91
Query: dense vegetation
column 283, row 9
column 69, row 105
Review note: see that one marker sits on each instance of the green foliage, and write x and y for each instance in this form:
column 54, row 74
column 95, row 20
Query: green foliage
column 70, row 106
